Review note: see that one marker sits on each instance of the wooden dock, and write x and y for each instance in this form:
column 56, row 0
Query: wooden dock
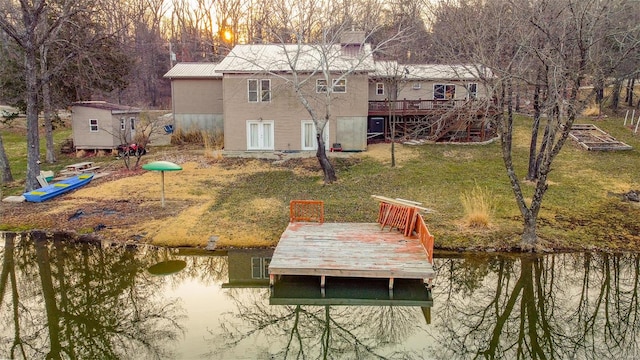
column 395, row 247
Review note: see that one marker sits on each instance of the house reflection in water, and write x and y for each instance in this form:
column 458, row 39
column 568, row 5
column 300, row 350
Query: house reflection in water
column 248, row 268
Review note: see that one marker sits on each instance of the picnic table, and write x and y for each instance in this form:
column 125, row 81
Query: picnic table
column 79, row 168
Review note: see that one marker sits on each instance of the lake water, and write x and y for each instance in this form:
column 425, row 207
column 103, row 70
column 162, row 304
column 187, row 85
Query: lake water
column 85, row 301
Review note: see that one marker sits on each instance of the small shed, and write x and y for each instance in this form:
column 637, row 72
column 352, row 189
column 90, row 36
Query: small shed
column 103, row 125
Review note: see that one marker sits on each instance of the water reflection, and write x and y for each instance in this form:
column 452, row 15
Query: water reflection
column 579, row 306
column 85, row 301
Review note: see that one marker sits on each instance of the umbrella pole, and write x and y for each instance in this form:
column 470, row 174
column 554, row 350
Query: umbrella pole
column 162, row 177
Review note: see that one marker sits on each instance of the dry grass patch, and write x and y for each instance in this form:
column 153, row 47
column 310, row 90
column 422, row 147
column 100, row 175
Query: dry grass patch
column 478, row 207
column 382, row 153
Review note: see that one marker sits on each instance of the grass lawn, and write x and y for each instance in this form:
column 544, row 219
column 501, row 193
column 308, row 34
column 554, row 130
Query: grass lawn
column 582, row 208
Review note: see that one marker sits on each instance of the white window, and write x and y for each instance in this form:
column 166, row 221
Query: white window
column 253, row 90
column 340, row 86
column 93, row 125
column 472, row 91
column 309, row 141
column 321, row 85
column 417, row 86
column 260, row 135
column 123, row 124
column 133, row 124
column 379, row 88
column 265, row 90
column 444, row 91
column 260, row 267
column 259, row 87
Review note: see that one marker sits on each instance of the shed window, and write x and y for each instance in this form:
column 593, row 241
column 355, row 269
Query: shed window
column 93, row 125
column 123, row 125
column 379, row 88
column 133, row 123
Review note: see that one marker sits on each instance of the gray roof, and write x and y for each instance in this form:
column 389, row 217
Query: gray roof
column 429, row 71
column 103, row 105
column 193, row 71
column 303, row 58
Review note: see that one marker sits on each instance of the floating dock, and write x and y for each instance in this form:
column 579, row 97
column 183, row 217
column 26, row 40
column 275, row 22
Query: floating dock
column 398, row 246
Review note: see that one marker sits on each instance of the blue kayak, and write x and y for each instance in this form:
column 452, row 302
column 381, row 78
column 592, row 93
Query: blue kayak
column 61, row 187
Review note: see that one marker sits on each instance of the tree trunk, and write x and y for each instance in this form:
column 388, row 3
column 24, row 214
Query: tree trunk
column 7, row 176
column 615, row 95
column 532, row 174
column 325, row 164
column 33, row 136
column 629, row 96
column 47, row 109
column 529, row 237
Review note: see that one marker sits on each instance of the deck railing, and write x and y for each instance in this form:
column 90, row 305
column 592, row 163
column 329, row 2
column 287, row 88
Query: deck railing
column 405, row 106
column 425, row 236
column 406, row 217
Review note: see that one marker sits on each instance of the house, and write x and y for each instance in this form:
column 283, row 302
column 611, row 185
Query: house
column 102, row 125
column 196, row 96
column 250, row 96
column 263, row 112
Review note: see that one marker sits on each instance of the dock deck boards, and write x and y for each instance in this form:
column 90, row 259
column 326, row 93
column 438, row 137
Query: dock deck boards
column 349, row 250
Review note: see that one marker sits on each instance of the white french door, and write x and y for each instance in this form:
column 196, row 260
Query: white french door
column 309, row 141
column 260, row 135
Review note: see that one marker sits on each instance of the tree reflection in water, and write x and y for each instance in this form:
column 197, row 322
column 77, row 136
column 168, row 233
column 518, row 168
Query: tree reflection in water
column 581, row 306
column 313, row 332
column 81, row 302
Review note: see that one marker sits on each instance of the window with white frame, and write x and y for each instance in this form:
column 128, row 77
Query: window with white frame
column 472, row 91
column 132, row 121
column 259, row 90
column 260, row 135
column 337, row 86
column 321, row 85
column 340, row 86
column 93, row 125
column 379, row 88
column 444, row 91
column 265, row 90
column 123, row 124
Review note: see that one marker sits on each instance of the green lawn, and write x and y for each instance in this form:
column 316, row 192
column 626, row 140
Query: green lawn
column 582, row 208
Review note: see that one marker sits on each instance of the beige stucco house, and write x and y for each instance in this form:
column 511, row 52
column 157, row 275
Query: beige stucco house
column 196, row 96
column 102, row 125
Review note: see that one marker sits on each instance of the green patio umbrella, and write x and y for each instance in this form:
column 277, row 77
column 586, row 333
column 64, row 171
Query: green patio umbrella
column 162, row 166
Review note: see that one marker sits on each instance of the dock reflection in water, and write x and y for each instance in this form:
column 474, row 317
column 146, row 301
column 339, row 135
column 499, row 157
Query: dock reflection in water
column 64, row 300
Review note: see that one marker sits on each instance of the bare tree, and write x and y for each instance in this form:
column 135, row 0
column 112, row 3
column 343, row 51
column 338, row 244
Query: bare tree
column 561, row 40
column 32, row 25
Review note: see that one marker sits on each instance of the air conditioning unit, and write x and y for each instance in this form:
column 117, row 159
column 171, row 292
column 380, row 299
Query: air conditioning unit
column 417, row 86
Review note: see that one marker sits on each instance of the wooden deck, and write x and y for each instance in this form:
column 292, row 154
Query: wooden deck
column 349, row 250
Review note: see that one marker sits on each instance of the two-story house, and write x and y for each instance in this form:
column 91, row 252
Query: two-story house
column 269, row 89
column 257, row 96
